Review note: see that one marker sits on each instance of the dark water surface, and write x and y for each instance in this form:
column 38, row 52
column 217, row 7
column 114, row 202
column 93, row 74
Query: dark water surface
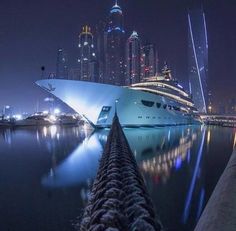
column 46, row 173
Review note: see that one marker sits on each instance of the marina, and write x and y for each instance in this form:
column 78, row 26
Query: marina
column 118, row 116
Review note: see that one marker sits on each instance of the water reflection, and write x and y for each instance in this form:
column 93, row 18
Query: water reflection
column 234, row 145
column 79, row 167
column 180, row 166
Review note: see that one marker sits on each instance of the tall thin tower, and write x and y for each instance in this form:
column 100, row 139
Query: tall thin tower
column 87, row 57
column 133, row 56
column 198, row 58
column 61, row 65
column 115, row 47
column 148, row 61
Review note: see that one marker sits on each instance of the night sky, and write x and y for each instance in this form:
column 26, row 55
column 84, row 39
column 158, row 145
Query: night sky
column 31, row 32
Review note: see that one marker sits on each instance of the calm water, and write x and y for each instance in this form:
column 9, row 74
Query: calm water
column 46, row 173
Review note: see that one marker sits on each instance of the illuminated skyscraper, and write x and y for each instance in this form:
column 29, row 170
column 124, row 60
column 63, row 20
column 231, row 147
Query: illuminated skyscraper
column 101, row 35
column 133, row 55
column 198, row 58
column 62, row 65
column 148, row 61
column 87, row 58
column 115, row 47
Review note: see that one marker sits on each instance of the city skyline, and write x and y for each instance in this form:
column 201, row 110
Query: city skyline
column 27, row 59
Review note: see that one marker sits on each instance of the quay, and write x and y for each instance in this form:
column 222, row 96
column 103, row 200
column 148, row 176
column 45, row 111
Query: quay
column 219, row 120
column 220, row 211
column 119, row 200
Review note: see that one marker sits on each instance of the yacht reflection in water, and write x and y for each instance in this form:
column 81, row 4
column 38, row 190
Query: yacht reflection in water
column 157, row 152
column 169, row 158
column 79, row 167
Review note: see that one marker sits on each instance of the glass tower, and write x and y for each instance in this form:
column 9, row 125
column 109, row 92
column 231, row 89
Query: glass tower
column 133, row 53
column 87, row 57
column 62, row 65
column 115, row 47
column 198, row 58
column 148, row 61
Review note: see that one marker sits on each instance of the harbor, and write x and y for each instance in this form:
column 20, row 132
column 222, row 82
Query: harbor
column 117, row 115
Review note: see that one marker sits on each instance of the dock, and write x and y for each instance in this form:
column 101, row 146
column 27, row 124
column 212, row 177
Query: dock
column 119, row 200
column 220, row 211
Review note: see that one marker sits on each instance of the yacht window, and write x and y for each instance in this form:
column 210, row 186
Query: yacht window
column 170, row 107
column 158, row 105
column 147, row 103
column 176, row 108
column 164, row 106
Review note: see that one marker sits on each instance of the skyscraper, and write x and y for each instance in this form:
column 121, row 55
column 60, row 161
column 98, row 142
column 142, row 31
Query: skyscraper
column 148, row 61
column 133, row 53
column 87, row 58
column 198, row 58
column 100, row 42
column 115, row 47
column 61, row 65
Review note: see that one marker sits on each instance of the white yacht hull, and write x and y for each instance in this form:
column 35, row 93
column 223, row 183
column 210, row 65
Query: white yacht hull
column 98, row 102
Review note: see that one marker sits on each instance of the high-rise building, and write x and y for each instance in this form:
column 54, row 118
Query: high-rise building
column 232, row 106
column 100, row 42
column 87, row 60
column 133, row 58
column 115, row 47
column 148, row 61
column 198, row 58
column 61, row 65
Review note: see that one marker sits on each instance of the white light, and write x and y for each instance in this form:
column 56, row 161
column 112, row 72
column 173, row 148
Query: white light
column 85, row 43
column 53, row 131
column 17, row 117
column 93, row 54
column 57, row 111
column 7, row 107
column 48, row 99
column 52, row 118
column 45, row 112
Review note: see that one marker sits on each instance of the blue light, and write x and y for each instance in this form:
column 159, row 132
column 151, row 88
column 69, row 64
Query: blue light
column 178, row 163
column 116, row 10
column 116, row 28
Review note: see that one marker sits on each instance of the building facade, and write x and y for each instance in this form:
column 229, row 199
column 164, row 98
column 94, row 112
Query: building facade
column 87, row 60
column 133, row 59
column 198, row 58
column 61, row 65
column 100, row 44
column 115, row 48
column 148, row 61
